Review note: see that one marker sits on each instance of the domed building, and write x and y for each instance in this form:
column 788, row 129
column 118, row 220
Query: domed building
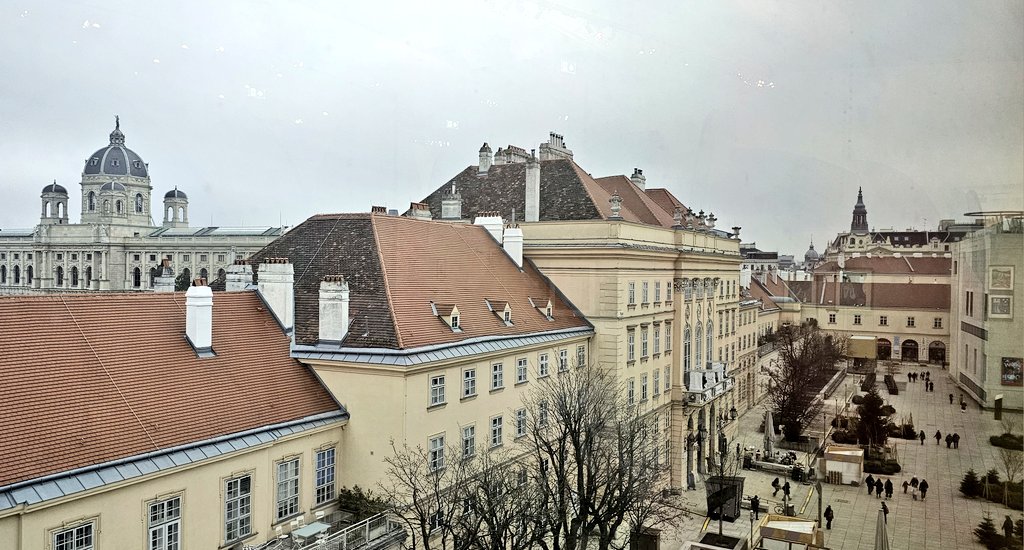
column 117, row 245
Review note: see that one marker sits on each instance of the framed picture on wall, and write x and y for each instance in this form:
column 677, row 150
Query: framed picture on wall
column 1000, row 307
column 1011, row 375
column 1000, row 278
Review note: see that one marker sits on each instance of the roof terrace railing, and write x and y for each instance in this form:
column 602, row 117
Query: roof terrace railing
column 375, row 531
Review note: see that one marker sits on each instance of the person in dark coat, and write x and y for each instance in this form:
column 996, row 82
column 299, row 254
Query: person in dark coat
column 950, row 399
column 949, row 440
column 776, row 486
column 956, row 440
column 888, row 488
column 785, row 490
column 924, row 489
column 870, row 482
column 879, row 488
column 931, row 387
column 938, row 437
column 1007, row 527
column 829, row 514
column 921, row 436
column 905, row 485
column 755, row 506
column 885, row 513
column 913, row 482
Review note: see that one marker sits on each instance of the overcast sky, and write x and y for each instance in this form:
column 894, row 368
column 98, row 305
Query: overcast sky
column 769, row 114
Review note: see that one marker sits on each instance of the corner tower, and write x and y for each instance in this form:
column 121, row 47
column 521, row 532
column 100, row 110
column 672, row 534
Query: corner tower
column 859, row 225
column 118, row 175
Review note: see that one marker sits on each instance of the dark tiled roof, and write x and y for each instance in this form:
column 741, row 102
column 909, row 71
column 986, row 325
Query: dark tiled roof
column 892, row 265
column 145, row 389
column 902, row 295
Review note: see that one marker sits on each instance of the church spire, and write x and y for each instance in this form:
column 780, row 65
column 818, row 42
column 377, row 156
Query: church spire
column 860, row 214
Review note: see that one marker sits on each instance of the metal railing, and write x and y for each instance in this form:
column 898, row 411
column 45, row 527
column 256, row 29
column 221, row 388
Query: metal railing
column 366, row 533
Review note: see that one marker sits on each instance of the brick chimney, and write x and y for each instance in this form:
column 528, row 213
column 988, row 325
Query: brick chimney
column 532, row 188
column 239, row 276
column 485, row 159
column 333, row 309
column 164, row 281
column 512, row 242
column 199, row 319
column 419, row 211
column 639, row 179
column 277, row 287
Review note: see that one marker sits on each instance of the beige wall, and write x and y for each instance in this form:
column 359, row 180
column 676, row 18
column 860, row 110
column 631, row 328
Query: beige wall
column 120, row 510
column 923, row 332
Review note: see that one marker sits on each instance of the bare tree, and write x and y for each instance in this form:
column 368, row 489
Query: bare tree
column 1010, row 423
column 1013, row 463
column 807, row 359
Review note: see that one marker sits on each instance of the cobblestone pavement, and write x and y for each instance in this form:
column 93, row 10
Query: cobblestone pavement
column 944, row 521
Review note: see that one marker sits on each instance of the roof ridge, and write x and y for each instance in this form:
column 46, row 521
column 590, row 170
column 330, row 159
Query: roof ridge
column 580, row 172
column 387, row 286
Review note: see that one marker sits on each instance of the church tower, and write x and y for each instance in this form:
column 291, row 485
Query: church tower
column 859, row 225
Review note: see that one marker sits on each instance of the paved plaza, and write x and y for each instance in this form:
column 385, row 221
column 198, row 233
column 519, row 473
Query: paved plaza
column 945, row 520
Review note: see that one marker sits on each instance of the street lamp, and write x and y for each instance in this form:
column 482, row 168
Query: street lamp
column 751, row 527
column 732, row 412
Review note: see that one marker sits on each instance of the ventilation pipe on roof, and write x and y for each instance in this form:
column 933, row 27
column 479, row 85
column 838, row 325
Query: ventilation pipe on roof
column 333, row 309
column 164, row 281
column 512, row 242
column 639, row 179
column 532, row 188
column 239, row 276
column 492, row 222
column 277, row 287
column 199, row 319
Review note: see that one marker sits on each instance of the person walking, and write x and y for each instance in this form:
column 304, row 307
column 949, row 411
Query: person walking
column 921, row 436
column 931, row 386
column 878, row 488
column 885, row 513
column 913, row 493
column 870, row 482
column 888, row 488
column 829, row 514
column 776, row 486
column 924, row 489
column 950, row 399
column 905, row 485
column 913, row 482
column 938, row 437
column 755, row 506
column 785, row 490
column 956, row 440
column 1007, row 527
column 949, row 440
column 963, row 407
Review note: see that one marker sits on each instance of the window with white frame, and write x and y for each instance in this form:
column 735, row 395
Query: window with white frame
column 543, row 366
column 324, row 475
column 668, row 291
column 520, row 422
column 937, row 323
column 643, row 292
column 581, row 356
column 630, row 345
column 287, row 488
column 497, row 376
column 563, row 360
column 165, row 524
column 436, row 456
column 831, row 318
column 542, row 414
column 656, row 381
column 668, row 337
column 468, row 441
column 631, row 293
column 910, row 322
column 237, row 508
column 437, row 389
column 468, row 382
column 631, row 391
column 643, row 341
column 496, row 431
column 643, row 387
column 76, row 538
column 657, row 291
column 856, row 318
column 520, row 370
column 668, row 379
column 883, row 320
column 657, row 339
column 435, row 521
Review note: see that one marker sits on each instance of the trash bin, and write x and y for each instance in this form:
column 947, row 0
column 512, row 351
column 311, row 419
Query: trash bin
column 748, row 463
column 798, row 473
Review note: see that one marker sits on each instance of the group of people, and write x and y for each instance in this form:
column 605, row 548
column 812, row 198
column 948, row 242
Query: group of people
column 952, row 440
column 925, row 376
column 877, row 486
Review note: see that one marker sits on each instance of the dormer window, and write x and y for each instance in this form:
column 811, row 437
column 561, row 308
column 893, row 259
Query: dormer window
column 114, row 162
column 449, row 314
column 454, row 321
column 94, row 161
column 508, row 317
column 543, row 305
column 502, row 309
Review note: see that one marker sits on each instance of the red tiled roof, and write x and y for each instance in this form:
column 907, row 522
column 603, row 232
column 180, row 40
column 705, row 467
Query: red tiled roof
column 900, row 295
column 892, row 265
column 665, row 199
column 635, row 202
column 63, row 407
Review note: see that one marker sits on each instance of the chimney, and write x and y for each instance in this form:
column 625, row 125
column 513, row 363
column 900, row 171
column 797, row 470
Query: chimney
column 451, row 205
column 532, row 188
column 638, row 179
column 419, row 211
column 199, row 319
column 492, row 222
column 485, row 159
column 333, row 309
column 239, row 276
column 378, row 210
column 512, row 242
column 164, row 282
column 554, row 148
column 277, row 280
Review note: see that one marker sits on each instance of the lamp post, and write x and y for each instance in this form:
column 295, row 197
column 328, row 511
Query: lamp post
column 751, row 528
column 723, row 449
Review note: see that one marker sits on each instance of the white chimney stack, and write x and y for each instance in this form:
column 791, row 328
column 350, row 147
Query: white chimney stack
column 419, row 211
column 492, row 222
column 513, row 244
column 485, row 159
column 239, row 276
column 199, row 319
column 277, row 286
column 164, row 282
column 451, row 205
column 532, row 189
column 333, row 309
column 639, row 179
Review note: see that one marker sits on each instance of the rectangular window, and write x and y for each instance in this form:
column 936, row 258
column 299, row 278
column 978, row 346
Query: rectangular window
column 668, row 291
column 720, row 329
column 581, row 356
column 497, row 376
column 643, row 292
column 468, row 441
column 520, row 371
column 287, row 488
column 135, row 257
column 152, row 257
column 937, row 323
column 496, row 431
column 76, row 538
column 831, row 318
column 657, row 291
column 910, row 322
column 324, row 476
column 643, row 387
column 630, row 345
column 436, row 456
column 186, row 257
column 237, row 508
column 630, row 391
column 856, row 318
column 668, row 337
column 643, row 342
column 656, row 381
column 468, row 382
column 543, row 368
column 563, row 360
column 542, row 414
column 61, row 256
column 668, row 375
column 631, row 293
column 520, row 422
column 436, row 390
column 221, row 258
column 657, row 339
column 165, row 524
column 883, row 320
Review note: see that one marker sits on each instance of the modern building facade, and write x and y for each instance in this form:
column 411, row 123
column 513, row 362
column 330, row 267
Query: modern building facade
column 116, row 245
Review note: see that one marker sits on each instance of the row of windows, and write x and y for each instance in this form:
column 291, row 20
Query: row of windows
column 16, row 277
column 645, row 289
column 653, row 390
column 648, row 339
column 438, row 382
column 883, row 320
column 163, row 521
column 495, row 437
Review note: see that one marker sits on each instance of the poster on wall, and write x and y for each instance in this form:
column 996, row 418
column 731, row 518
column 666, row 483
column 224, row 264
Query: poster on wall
column 1000, row 307
column 1000, row 278
column 1012, row 367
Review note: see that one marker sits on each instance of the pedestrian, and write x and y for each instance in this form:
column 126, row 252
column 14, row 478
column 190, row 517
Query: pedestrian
column 775, row 485
column 950, row 399
column 1007, row 527
column 921, row 436
column 956, row 440
column 924, row 489
column 913, row 492
column 931, row 386
column 949, row 440
column 878, row 488
column 870, row 482
column 913, row 482
column 963, row 407
column 928, row 375
column 888, row 488
column 755, row 506
column 885, row 513
column 905, row 485
column 785, row 490
column 829, row 514
column 938, row 437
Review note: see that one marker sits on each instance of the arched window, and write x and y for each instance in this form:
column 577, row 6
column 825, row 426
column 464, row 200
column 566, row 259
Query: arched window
column 687, row 342
column 120, row 207
column 152, row 277
column 204, row 274
column 136, row 277
column 169, row 216
column 60, row 276
column 711, row 335
column 220, row 275
column 698, row 336
column 88, row 276
column 46, row 209
column 106, row 206
column 181, row 213
column 92, row 201
column 17, row 275
column 138, row 203
column 187, row 273
column 74, row 276
column 28, row 275
column 3, row 274
column 60, row 210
